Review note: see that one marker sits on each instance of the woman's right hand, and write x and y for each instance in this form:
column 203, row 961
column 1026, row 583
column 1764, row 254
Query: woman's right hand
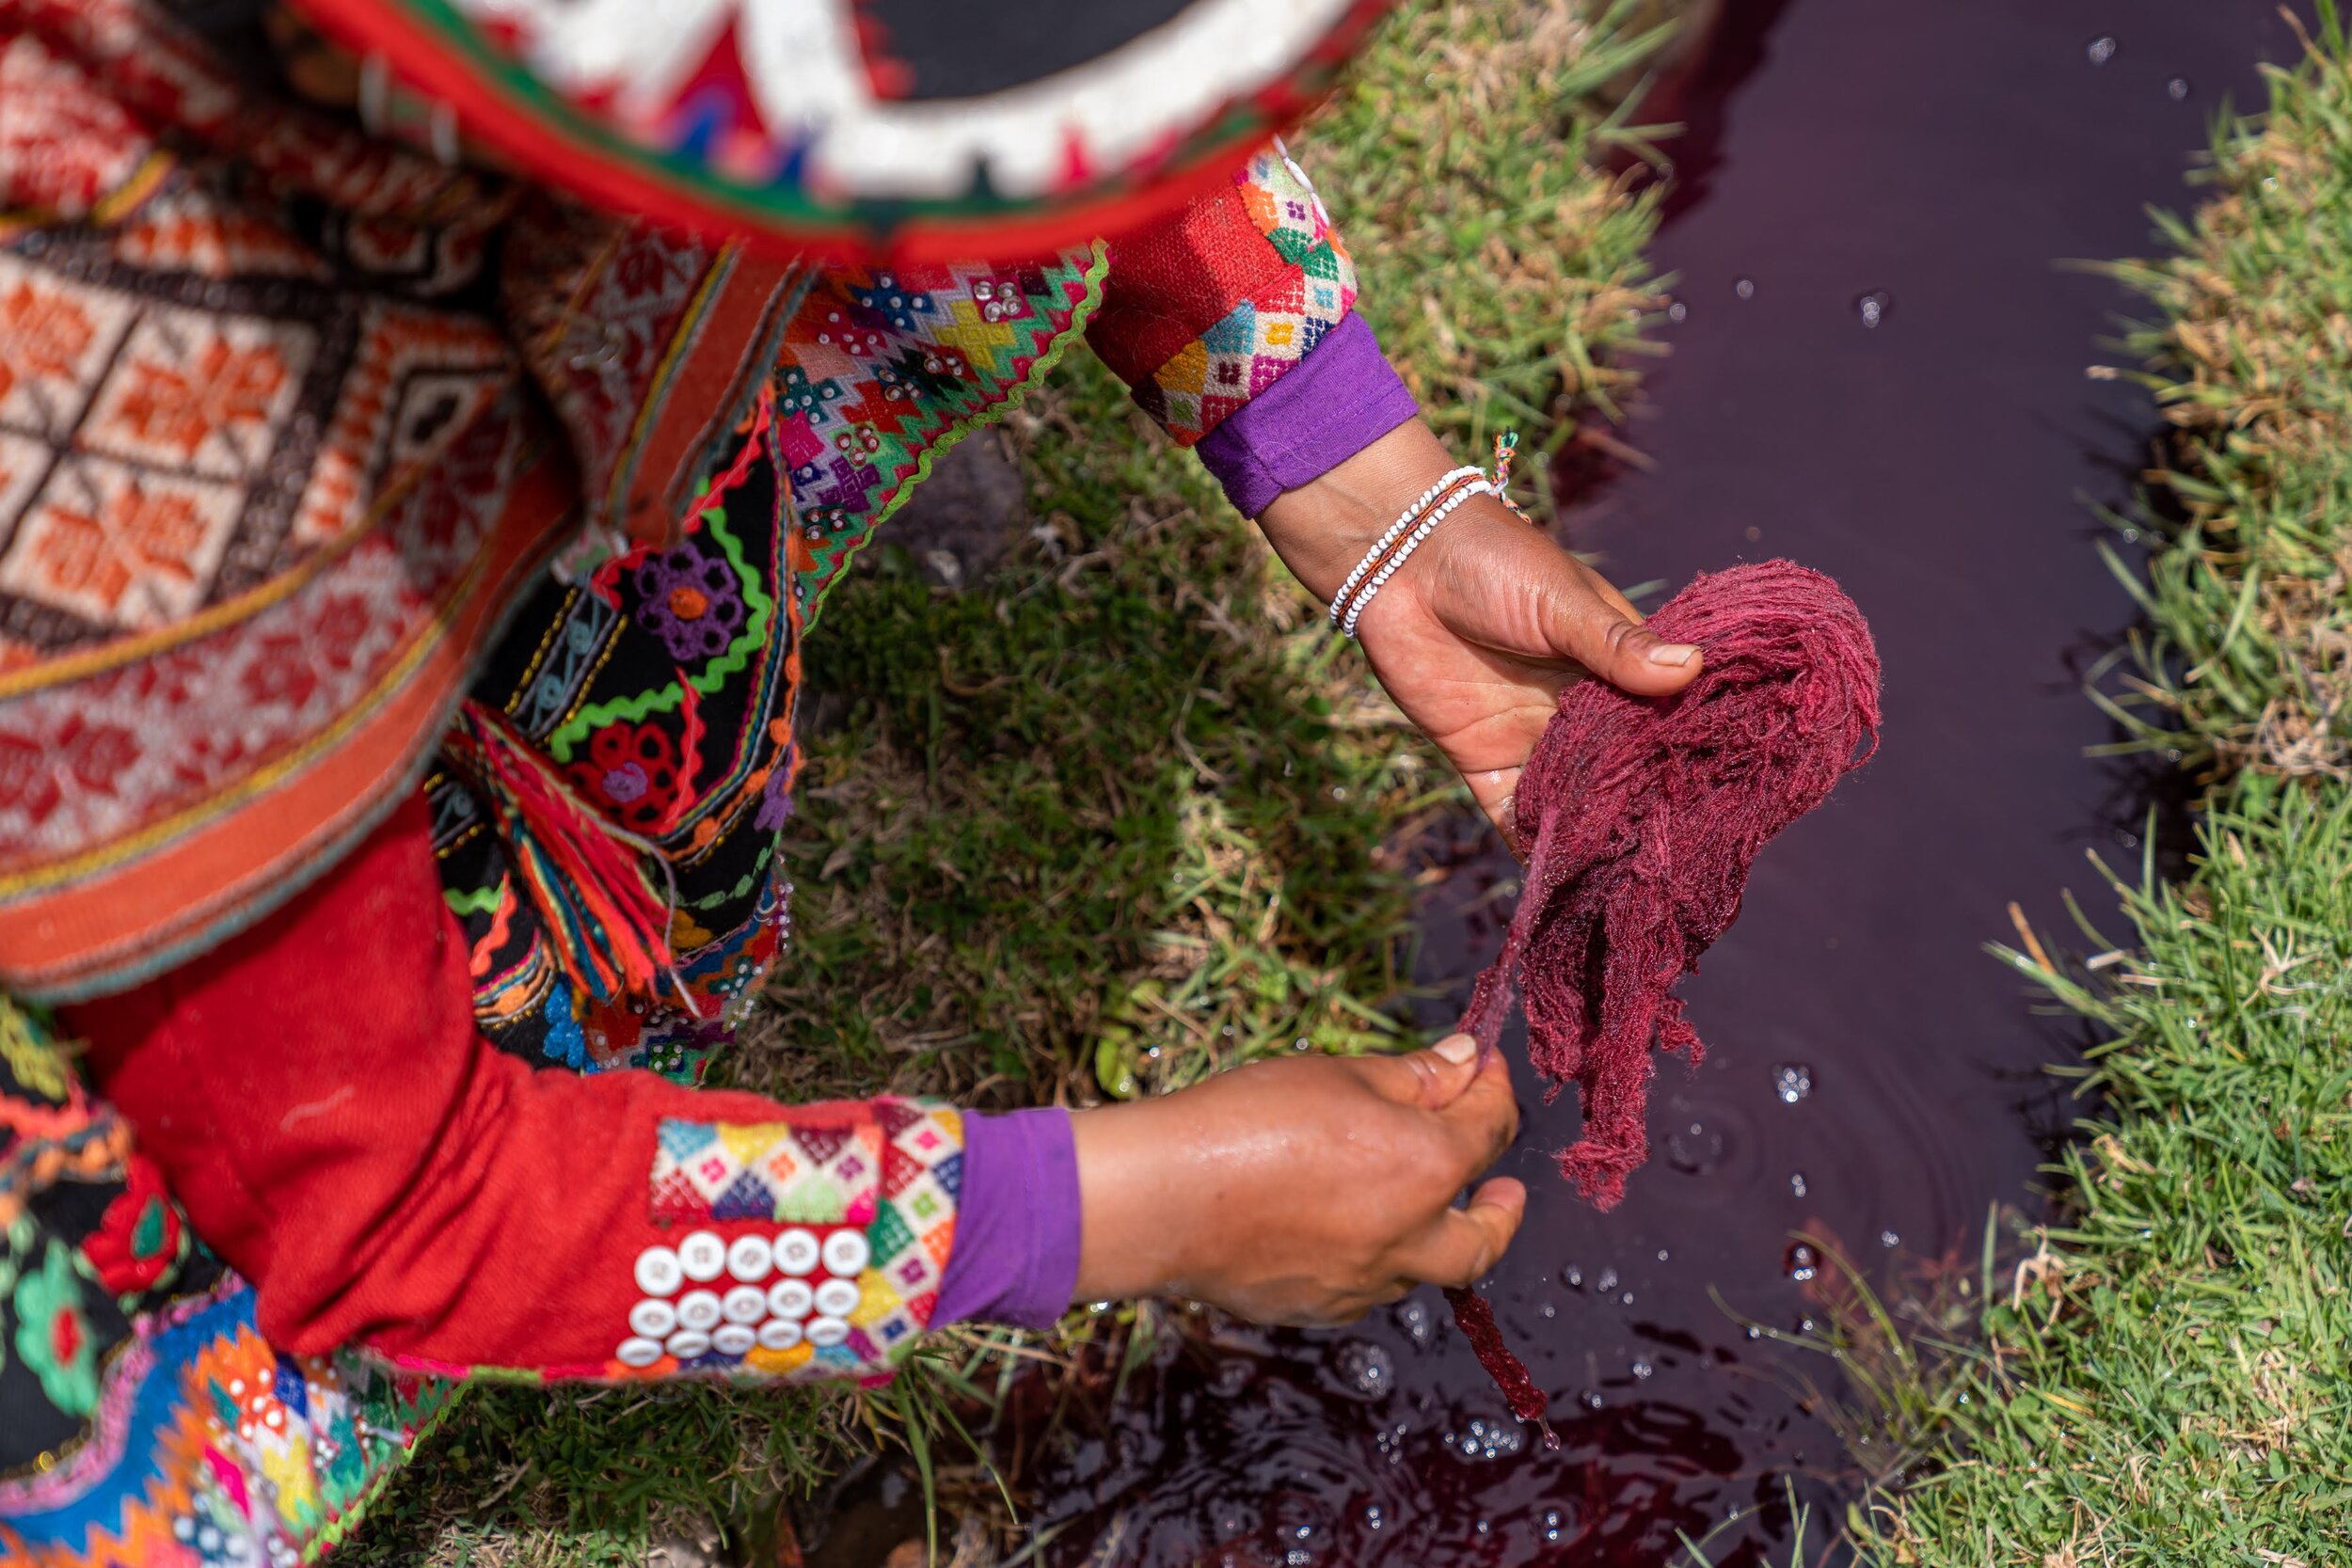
column 1304, row 1191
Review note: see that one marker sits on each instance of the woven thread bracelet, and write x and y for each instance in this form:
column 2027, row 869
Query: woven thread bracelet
column 1390, row 552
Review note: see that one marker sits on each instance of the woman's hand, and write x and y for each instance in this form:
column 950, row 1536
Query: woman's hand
column 1304, row 1191
column 1479, row 632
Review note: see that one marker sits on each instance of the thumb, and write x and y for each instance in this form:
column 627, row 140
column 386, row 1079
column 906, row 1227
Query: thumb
column 1581, row 623
column 1432, row 1078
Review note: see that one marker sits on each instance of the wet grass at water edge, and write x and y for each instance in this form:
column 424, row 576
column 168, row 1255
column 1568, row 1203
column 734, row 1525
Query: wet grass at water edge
column 2161, row 1376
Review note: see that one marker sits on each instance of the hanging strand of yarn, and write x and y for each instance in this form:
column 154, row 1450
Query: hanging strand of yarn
column 1642, row 817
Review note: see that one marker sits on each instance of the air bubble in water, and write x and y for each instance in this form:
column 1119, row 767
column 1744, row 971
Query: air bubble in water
column 1551, row 1523
column 1608, row 1280
column 1592, row 1399
column 1791, row 1081
column 1872, row 306
column 1547, row 1311
column 1642, row 1368
column 1743, row 287
column 1796, row 1182
column 2099, row 51
column 1678, row 311
column 1573, row 1278
column 1372, row 1517
column 1365, row 1366
column 1413, row 1318
column 1802, row 1262
column 1888, row 1239
column 1661, row 1254
column 2177, row 89
column 1694, row 1149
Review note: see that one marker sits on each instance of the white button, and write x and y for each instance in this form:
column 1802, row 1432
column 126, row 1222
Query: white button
column 779, row 1333
column 790, row 1298
column 703, row 1256
column 745, row 1303
column 750, row 1258
column 699, row 1309
column 797, row 1251
column 638, row 1352
column 846, row 1253
column 657, row 1271
column 734, row 1340
column 688, row 1343
column 836, row 1298
column 653, row 1317
column 827, row 1331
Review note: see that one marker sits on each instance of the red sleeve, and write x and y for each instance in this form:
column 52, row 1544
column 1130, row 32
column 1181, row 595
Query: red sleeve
column 342, row 1133
column 1207, row 308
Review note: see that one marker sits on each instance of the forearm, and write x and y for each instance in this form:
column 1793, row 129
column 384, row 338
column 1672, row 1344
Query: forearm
column 341, row 1133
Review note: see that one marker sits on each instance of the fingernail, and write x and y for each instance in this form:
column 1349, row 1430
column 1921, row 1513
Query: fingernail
column 1672, row 655
column 1457, row 1049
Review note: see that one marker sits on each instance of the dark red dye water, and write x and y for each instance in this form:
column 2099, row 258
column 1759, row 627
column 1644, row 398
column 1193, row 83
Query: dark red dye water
column 1941, row 157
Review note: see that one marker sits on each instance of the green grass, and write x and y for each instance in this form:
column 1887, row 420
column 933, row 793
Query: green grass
column 2162, row 1376
column 1126, row 814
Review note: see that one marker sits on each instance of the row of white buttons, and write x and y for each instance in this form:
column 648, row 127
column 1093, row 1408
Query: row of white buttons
column 702, row 1258
column 789, row 1299
column 731, row 1340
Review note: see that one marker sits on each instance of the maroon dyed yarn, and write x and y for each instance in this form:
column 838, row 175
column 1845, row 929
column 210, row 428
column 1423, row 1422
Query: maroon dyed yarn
column 1642, row 816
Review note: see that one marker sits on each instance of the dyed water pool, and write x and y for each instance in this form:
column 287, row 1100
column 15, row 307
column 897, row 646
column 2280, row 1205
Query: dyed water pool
column 1879, row 371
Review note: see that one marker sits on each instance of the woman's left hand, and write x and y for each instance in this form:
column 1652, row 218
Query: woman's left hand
column 1475, row 637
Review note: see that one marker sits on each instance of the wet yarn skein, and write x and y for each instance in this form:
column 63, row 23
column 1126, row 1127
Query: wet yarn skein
column 1641, row 817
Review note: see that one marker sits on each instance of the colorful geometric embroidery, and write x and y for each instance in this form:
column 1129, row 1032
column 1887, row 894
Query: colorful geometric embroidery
column 802, row 1173
column 1263, row 336
column 881, row 371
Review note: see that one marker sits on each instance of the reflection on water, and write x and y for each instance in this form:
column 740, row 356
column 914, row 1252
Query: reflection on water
column 1877, row 371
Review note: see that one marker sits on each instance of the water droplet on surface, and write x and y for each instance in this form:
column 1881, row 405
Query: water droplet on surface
column 1592, row 1399
column 1642, row 1368
column 1365, row 1366
column 1743, row 287
column 1791, row 1081
column 1297, row 1557
column 1608, row 1280
column 1573, row 1278
column 1484, row 1527
column 1888, row 1239
column 1755, row 1333
column 2177, row 89
column 2129, row 841
column 1678, row 311
column 1872, row 306
column 1802, row 1262
column 1695, row 1150
column 1547, row 1311
column 1626, row 1300
column 1551, row 1523
column 1231, row 1376
column 1372, row 1517
column 1661, row 1254
column 1804, row 1325
column 1796, row 1184
column 2099, row 51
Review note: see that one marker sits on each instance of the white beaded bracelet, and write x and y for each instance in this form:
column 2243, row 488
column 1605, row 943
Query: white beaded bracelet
column 1404, row 521
column 1418, row 521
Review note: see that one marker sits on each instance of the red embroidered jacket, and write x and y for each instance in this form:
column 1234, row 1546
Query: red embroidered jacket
column 339, row 1131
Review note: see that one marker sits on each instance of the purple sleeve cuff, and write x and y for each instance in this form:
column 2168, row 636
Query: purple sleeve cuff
column 1340, row 399
column 1016, row 1255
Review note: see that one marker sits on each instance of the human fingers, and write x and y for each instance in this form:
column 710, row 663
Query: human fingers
column 1459, row 1246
